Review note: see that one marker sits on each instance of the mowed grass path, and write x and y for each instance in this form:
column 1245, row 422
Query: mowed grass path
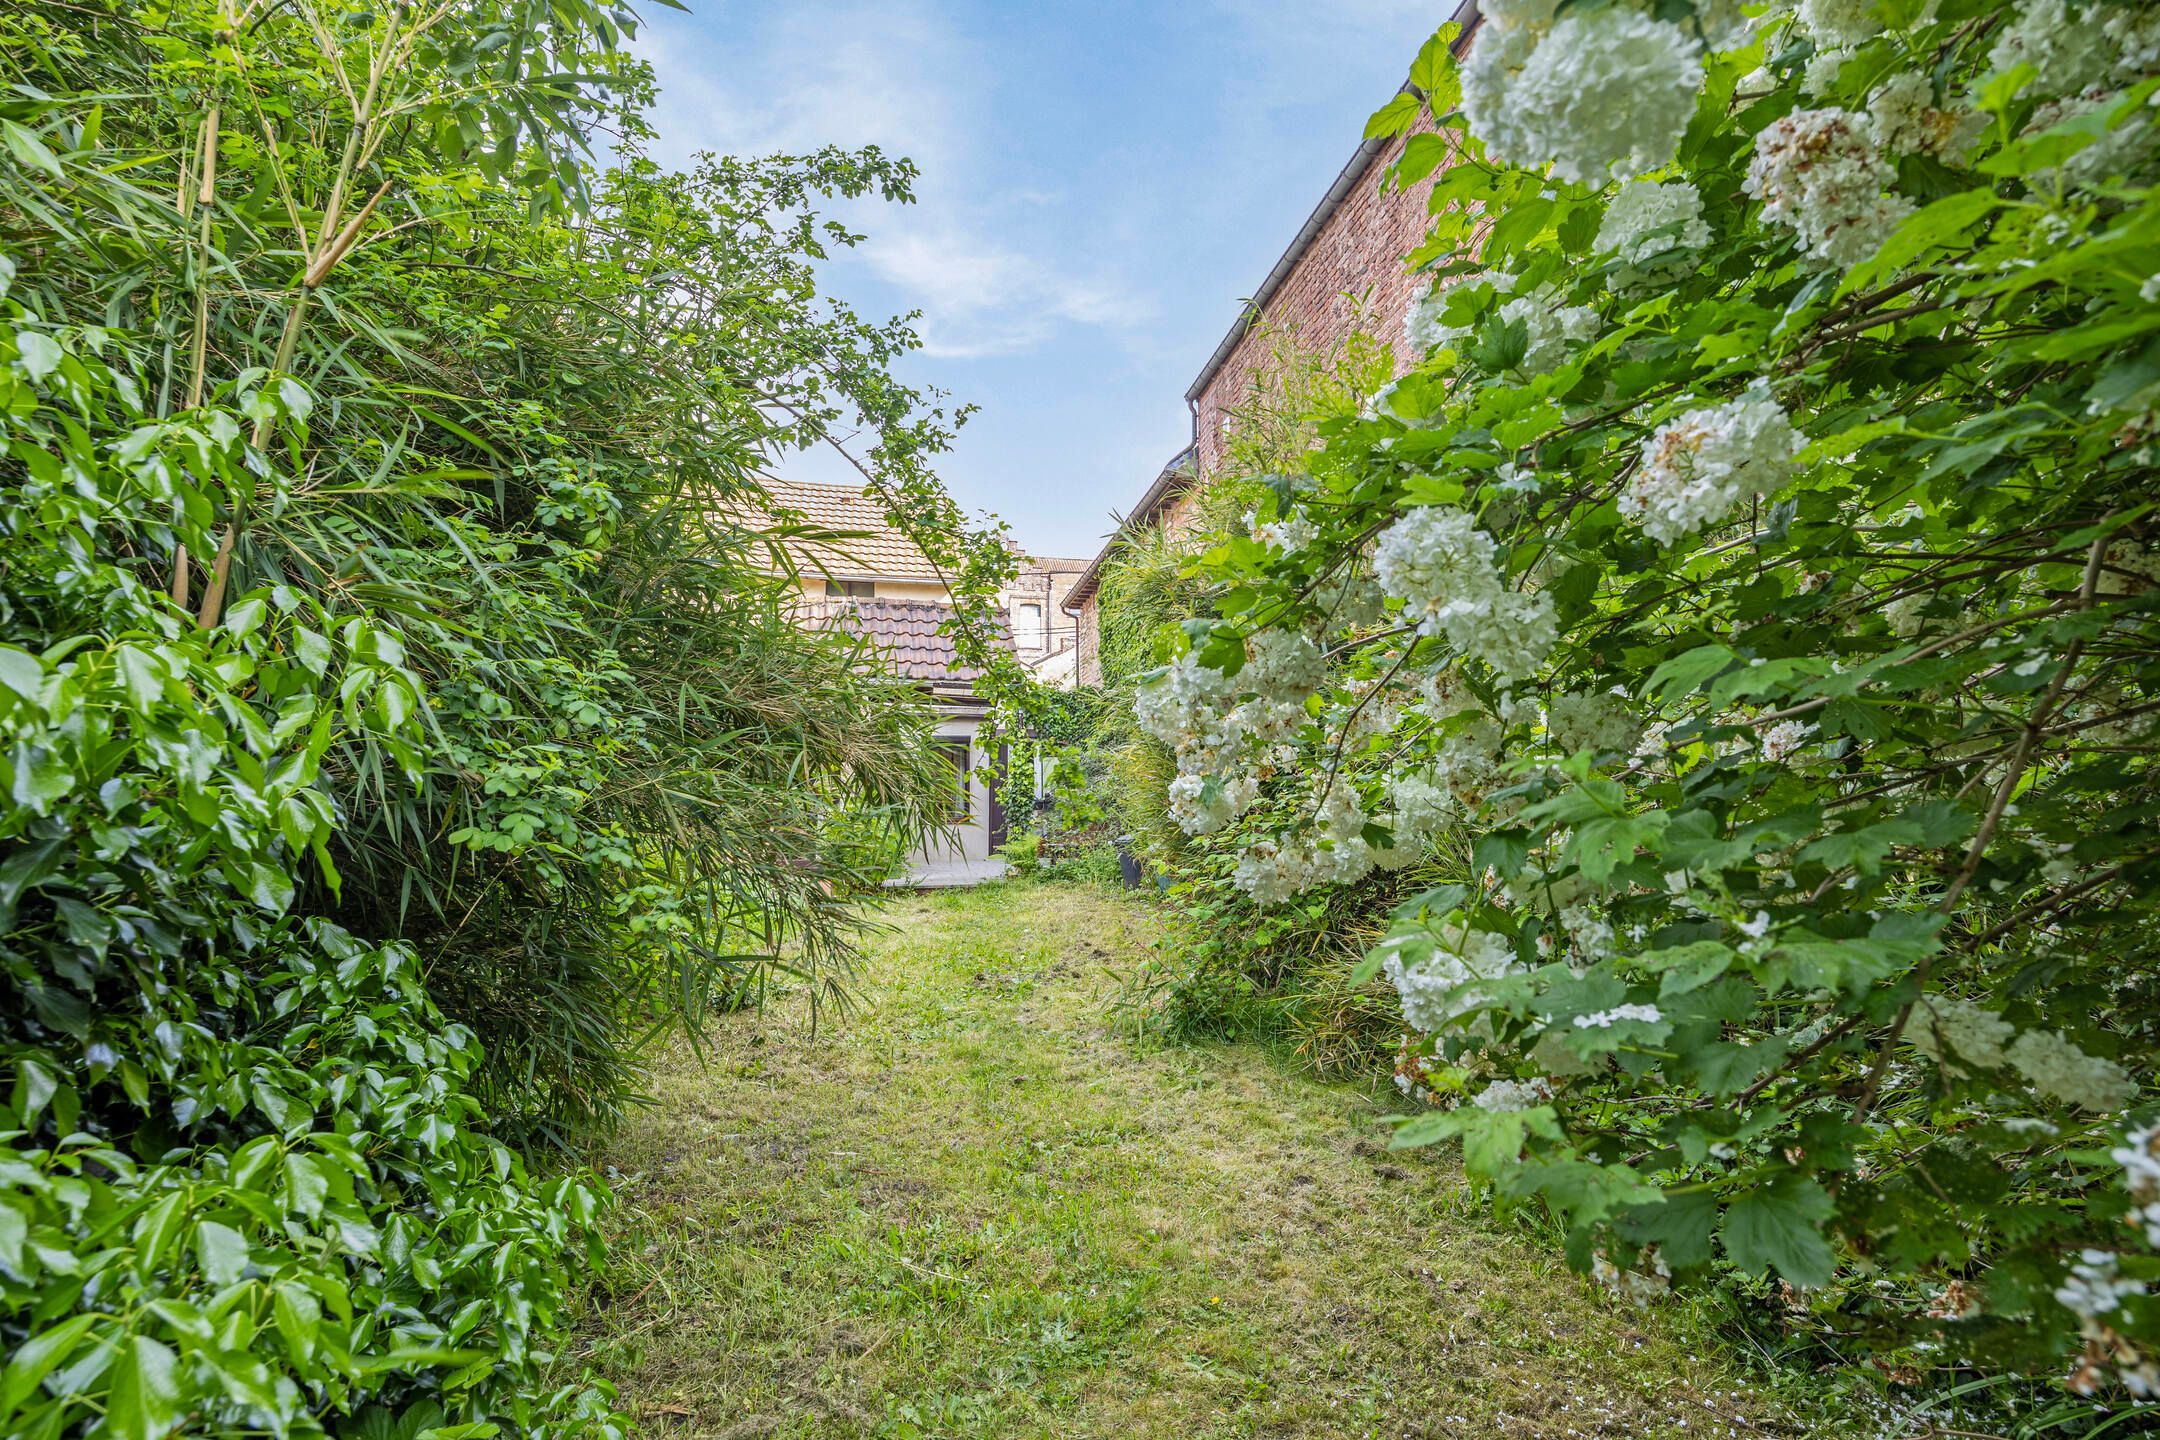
column 974, row 1207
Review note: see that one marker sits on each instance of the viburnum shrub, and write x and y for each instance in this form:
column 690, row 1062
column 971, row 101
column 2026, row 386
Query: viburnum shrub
column 1752, row 591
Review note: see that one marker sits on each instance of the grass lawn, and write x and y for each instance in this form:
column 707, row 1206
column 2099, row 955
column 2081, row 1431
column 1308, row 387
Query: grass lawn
column 971, row 1207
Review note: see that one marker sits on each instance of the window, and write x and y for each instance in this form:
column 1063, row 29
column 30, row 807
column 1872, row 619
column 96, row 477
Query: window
column 854, row 589
column 961, row 753
column 1028, row 627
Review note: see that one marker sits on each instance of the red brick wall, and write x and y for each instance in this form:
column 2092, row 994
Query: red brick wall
column 1350, row 278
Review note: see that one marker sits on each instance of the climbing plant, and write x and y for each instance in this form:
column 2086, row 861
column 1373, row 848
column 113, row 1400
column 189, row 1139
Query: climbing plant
column 1748, row 601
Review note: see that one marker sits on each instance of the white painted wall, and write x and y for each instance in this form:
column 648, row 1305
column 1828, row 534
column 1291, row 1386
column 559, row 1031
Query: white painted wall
column 969, row 840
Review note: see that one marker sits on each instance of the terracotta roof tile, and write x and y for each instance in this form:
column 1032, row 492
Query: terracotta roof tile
column 869, row 547
column 907, row 633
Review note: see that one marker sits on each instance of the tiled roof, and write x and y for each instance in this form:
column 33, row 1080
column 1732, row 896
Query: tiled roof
column 906, row 633
column 868, row 545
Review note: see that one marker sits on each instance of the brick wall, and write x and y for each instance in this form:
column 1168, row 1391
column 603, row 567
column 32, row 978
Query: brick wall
column 1350, row 278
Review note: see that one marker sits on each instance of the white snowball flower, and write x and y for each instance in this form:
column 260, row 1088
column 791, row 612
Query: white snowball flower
column 1203, row 804
column 1838, row 23
column 1783, row 740
column 1903, row 614
column 1552, row 330
column 2139, row 1155
column 1606, row 1019
column 2122, row 149
column 1648, row 221
column 1440, row 989
column 1294, row 531
column 1181, row 705
column 1595, row 94
column 1698, row 467
column 1588, row 930
column 2134, row 34
column 1823, row 69
column 1423, row 325
column 2094, row 1288
column 1443, row 567
column 1906, row 121
column 2068, row 45
column 1509, row 1096
column 1598, row 722
column 1818, row 171
column 1420, row 808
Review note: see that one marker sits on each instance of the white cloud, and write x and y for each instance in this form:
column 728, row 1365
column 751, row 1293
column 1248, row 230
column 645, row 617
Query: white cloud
column 972, row 254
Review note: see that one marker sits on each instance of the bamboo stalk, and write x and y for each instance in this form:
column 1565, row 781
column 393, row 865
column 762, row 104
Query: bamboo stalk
column 333, row 238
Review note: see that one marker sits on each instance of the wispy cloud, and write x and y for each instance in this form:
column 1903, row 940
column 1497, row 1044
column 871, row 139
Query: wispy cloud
column 904, row 78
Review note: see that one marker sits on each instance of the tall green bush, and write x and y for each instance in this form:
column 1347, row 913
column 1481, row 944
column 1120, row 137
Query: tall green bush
column 399, row 715
column 1754, row 584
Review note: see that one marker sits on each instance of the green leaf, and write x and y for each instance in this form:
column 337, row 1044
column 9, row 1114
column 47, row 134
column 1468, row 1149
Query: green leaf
column 144, row 1402
column 1393, row 118
column 36, row 1358
column 222, row 1251
column 24, row 144
column 1687, row 673
column 20, row 672
column 1777, row 1227
column 38, row 353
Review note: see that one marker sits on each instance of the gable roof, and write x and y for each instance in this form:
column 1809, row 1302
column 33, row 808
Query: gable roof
column 870, row 547
column 907, row 634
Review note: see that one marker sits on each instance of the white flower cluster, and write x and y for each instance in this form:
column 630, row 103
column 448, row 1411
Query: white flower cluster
column 1606, row 1019
column 1293, row 531
column 1420, row 808
column 1504, row 1097
column 1589, row 931
column 1650, row 227
column 1448, row 985
column 2120, row 149
column 1905, row 120
column 1551, row 330
column 1838, row 23
column 2077, row 47
column 2139, row 1155
column 1423, row 325
column 1697, row 468
column 1819, row 172
column 1594, row 93
column 1441, row 566
column 1783, row 740
column 2095, row 1287
column 1596, row 722
column 1961, row 1037
column 2094, row 1291
column 1203, row 804
column 1182, row 706
column 1196, row 711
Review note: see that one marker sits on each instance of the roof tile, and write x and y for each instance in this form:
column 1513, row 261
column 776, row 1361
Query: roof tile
column 909, row 634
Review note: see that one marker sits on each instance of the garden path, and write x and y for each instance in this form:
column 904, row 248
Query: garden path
column 974, row 1206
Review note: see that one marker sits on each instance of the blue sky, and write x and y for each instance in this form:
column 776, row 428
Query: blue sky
column 1101, row 184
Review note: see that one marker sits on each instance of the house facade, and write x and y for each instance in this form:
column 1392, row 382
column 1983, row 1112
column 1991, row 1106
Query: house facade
column 1044, row 634
column 1342, row 274
column 861, row 576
